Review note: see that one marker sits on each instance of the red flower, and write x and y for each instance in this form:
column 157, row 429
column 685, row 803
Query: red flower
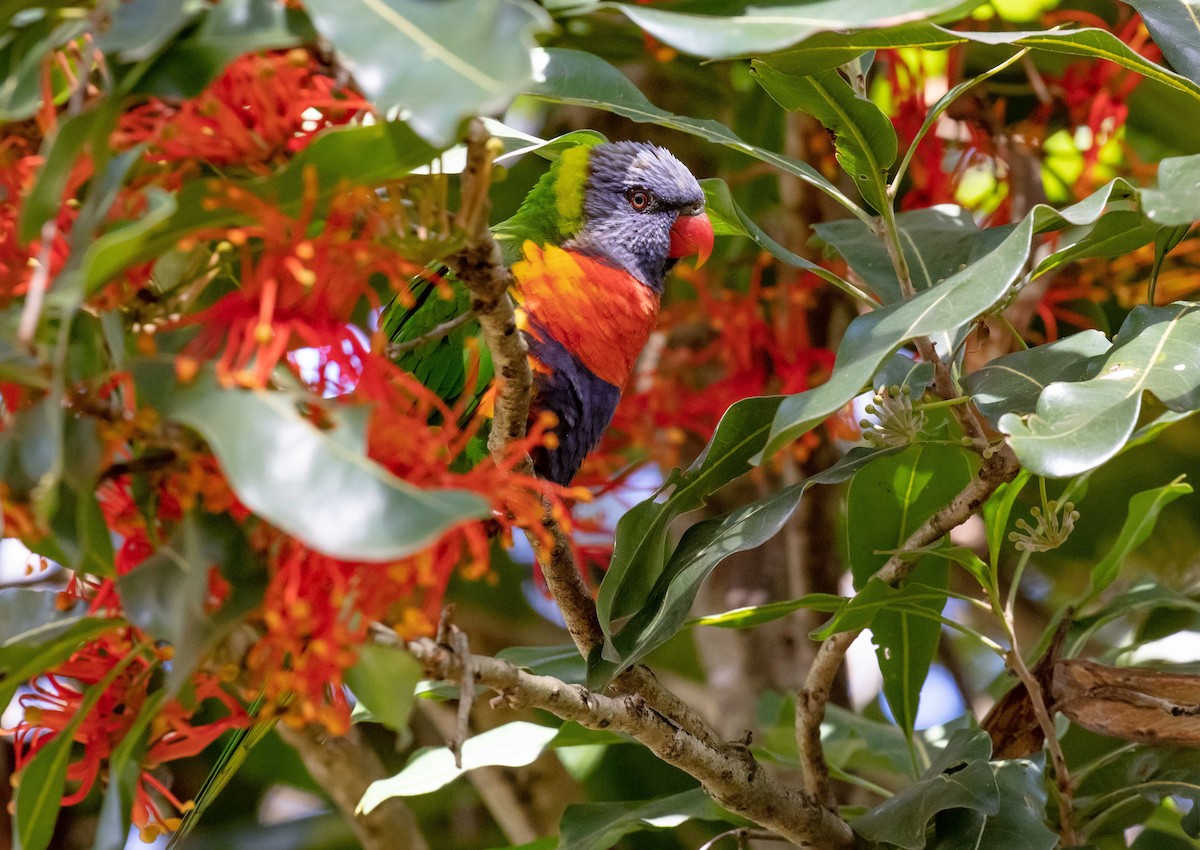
column 262, row 108
column 296, row 290
column 125, row 660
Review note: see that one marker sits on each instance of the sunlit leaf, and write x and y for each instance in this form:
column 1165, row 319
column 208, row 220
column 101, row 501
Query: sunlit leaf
column 439, row 62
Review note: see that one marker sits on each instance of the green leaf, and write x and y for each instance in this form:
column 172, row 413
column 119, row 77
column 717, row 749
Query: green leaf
column 42, row 781
column 756, row 615
column 765, row 28
column 61, row 152
column 937, row 242
column 1144, row 509
column 138, row 29
column 124, row 773
column 730, row 219
column 1012, row 383
column 511, row 745
column 384, row 679
column 703, row 546
column 573, row 76
column 1175, row 27
column 887, row 502
column 960, row 778
column 1020, row 823
column 44, row 642
column 864, row 138
column 996, row 511
column 23, row 51
column 166, row 595
column 639, row 550
column 944, row 309
column 831, row 49
column 599, row 826
column 1176, row 200
column 1078, row 426
column 871, row 338
column 39, row 794
column 1117, row 233
column 1166, row 239
column 316, row 485
column 562, row 662
column 916, row 602
column 229, row 29
column 440, row 62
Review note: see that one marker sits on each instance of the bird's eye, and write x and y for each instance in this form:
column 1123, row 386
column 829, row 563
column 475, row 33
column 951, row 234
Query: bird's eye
column 639, row 199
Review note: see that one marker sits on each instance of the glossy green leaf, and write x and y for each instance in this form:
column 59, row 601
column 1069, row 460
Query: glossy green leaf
column 960, row 778
column 768, row 27
column 831, row 49
column 39, row 793
column 599, row 826
column 916, row 602
column 864, row 139
column 42, row 780
column 1020, row 823
column 229, row 29
column 730, row 219
column 1117, row 233
column 942, row 310
column 138, row 29
column 1176, row 199
column 1078, row 426
column 703, row 546
column 60, row 151
column 1166, row 239
column 317, row 485
column 166, row 595
column 639, row 551
column 439, row 62
column 124, row 774
column 42, row 636
column 384, row 680
column 572, row 76
column 562, row 662
column 511, row 745
column 755, row 615
column 937, row 242
column 886, row 502
column 1144, row 509
column 1012, row 383
column 1175, row 27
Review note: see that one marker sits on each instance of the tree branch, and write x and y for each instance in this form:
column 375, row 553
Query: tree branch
column 344, row 766
column 728, row 772
column 813, row 697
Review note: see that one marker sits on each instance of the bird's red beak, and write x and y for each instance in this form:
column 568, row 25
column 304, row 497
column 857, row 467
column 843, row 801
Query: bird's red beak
column 692, row 234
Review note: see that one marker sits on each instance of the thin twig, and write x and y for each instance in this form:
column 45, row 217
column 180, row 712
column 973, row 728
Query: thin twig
column 395, row 349
column 729, row 773
column 814, row 696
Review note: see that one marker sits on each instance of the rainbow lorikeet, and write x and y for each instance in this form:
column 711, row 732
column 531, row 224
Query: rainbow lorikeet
column 589, row 249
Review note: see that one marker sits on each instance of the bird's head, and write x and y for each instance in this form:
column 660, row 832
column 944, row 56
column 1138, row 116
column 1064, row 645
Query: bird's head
column 641, row 210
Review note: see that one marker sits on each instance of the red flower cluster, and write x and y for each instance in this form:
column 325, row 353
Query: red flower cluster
column 121, row 662
column 263, row 108
column 295, row 290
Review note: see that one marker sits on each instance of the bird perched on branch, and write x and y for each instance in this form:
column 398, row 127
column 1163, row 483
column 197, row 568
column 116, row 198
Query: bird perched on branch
column 589, row 249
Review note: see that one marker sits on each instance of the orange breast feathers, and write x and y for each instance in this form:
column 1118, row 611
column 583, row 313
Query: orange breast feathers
column 600, row 314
